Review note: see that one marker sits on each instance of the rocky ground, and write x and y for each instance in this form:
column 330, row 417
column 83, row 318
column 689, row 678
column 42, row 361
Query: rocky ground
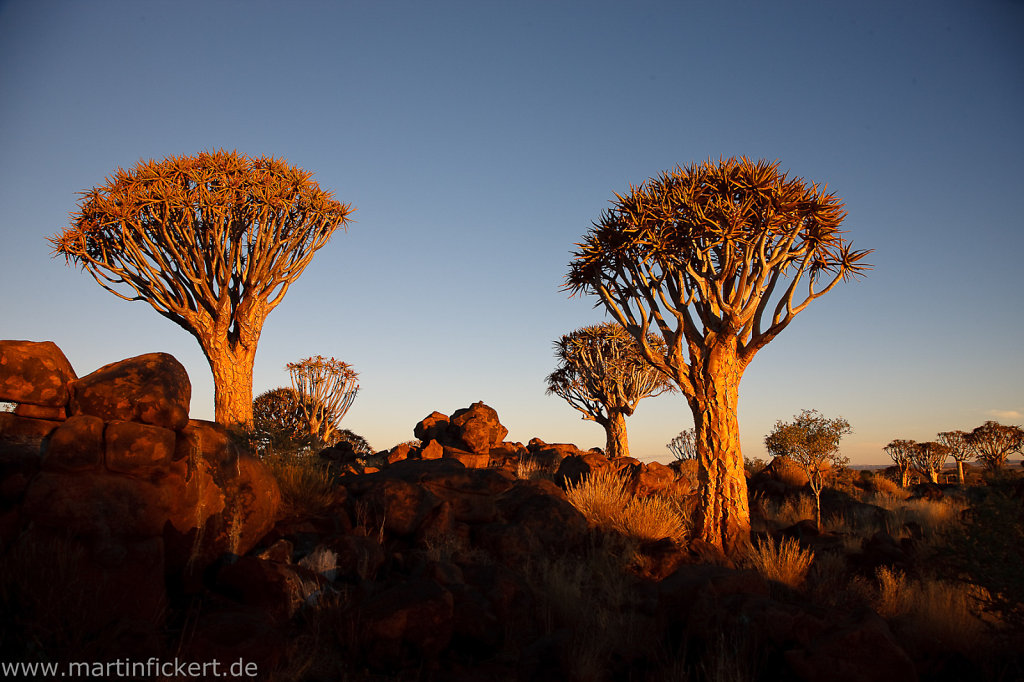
column 128, row 530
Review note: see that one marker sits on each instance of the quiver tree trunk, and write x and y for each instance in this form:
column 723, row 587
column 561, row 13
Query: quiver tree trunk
column 232, row 382
column 617, row 444
column 723, row 517
column 960, row 471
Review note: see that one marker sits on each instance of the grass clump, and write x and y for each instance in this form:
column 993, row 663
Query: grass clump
column 604, row 499
column 782, row 562
column 307, row 488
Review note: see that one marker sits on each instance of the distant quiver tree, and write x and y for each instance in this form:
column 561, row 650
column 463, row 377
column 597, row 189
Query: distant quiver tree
column 928, row 458
column 602, row 374
column 718, row 258
column 326, row 389
column 901, row 451
column 212, row 242
column 993, row 442
column 960, row 449
column 684, row 446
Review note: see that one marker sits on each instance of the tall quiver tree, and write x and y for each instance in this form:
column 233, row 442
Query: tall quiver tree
column 900, row 451
column 603, row 375
column 959, row 448
column 326, row 389
column 718, row 258
column 993, row 442
column 212, row 242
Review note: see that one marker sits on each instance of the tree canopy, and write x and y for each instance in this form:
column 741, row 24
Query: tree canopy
column 212, row 242
column 717, row 258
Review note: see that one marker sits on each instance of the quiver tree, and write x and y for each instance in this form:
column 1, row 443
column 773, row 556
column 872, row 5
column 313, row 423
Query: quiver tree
column 959, row 448
column 212, row 242
column 326, row 388
column 279, row 421
column 602, row 374
column 811, row 441
column 928, row 458
column 684, row 446
column 718, row 258
column 993, row 442
column 900, row 451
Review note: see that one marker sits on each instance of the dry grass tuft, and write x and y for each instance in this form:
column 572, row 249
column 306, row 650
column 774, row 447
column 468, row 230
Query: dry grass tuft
column 603, row 499
column 307, row 488
column 783, row 561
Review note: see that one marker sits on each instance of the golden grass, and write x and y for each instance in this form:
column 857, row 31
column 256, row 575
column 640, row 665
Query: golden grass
column 783, row 561
column 603, row 499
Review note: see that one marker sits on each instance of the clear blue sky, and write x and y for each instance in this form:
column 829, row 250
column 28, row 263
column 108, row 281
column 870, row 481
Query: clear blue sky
column 478, row 140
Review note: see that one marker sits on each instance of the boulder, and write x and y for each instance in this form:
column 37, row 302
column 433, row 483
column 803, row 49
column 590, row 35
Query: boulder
column 574, row 468
column 25, row 430
column 76, row 445
column 478, row 428
column 471, row 460
column 41, row 412
column 432, row 450
column 411, row 621
column 34, row 372
column 432, row 427
column 210, row 441
column 137, row 449
column 150, row 389
column 399, row 506
column 785, row 470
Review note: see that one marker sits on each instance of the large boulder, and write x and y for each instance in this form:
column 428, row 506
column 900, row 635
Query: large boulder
column 478, row 428
column 151, row 389
column 432, row 427
column 36, row 373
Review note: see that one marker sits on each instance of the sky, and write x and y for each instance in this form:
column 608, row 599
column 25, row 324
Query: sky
column 479, row 140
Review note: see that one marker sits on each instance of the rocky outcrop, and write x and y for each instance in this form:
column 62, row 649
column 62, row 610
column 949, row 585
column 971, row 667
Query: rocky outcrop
column 114, row 465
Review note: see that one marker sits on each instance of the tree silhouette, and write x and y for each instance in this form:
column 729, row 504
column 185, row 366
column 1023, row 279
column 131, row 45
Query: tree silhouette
column 684, row 446
column 602, row 374
column 959, row 447
column 993, row 442
column 326, row 388
column 279, row 422
column 928, row 458
column 718, row 258
column 811, row 441
column 900, row 451
column 212, row 242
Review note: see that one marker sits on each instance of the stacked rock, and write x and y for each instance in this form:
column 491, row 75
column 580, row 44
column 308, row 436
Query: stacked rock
column 124, row 473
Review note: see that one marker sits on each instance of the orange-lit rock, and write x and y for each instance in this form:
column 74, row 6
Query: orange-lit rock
column 76, row 445
column 137, row 449
column 152, row 389
column 34, row 372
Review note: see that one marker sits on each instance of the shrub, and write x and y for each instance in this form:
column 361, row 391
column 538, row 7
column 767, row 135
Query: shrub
column 652, row 518
column 783, row 561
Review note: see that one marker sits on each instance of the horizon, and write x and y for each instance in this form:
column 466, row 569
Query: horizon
column 477, row 144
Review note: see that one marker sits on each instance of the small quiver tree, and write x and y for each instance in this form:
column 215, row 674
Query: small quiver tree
column 928, row 458
column 212, row 242
column 326, row 389
column 718, row 258
column 602, row 374
column 959, row 448
column 900, row 452
column 993, row 442
column 684, row 446
column 811, row 441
